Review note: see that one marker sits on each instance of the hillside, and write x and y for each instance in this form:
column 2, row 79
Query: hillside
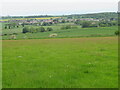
column 106, row 15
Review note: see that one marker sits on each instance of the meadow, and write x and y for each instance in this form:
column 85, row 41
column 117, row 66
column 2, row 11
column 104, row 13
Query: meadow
column 75, row 58
column 61, row 33
column 61, row 63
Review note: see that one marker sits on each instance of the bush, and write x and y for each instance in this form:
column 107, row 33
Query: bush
column 66, row 27
column 38, row 29
column 35, row 30
column 107, row 24
column 63, row 21
column 93, row 25
column 42, row 29
column 46, row 23
column 77, row 22
column 15, row 33
column 32, row 30
column 5, row 27
column 74, row 27
column 4, row 34
column 49, row 29
column 86, row 24
column 63, row 27
column 117, row 33
column 102, row 25
column 25, row 30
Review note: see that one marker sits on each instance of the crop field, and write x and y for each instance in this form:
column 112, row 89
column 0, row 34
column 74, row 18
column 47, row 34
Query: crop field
column 29, row 18
column 61, row 63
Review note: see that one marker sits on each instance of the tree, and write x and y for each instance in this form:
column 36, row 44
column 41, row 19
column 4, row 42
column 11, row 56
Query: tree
column 105, row 23
column 66, row 27
column 49, row 29
column 117, row 33
column 45, row 24
column 25, row 30
column 13, row 24
column 86, row 24
column 32, row 30
column 5, row 27
column 38, row 29
column 23, row 24
column 42, row 29
column 17, row 26
column 9, row 26
column 63, row 21
column 77, row 22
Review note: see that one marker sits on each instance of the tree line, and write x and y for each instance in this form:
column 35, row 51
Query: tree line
column 35, row 30
column 86, row 24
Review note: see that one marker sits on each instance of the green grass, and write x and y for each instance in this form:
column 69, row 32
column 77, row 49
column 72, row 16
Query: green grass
column 69, row 33
column 0, row 63
column 61, row 63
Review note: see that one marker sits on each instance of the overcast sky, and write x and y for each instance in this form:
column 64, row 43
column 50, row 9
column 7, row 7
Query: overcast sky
column 56, row 7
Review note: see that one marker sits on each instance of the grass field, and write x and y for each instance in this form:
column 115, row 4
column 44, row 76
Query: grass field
column 61, row 63
column 69, row 33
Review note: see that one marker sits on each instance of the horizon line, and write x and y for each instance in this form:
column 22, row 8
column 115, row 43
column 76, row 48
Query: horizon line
column 58, row 14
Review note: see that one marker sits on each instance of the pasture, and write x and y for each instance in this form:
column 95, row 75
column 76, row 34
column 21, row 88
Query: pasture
column 62, row 63
column 69, row 33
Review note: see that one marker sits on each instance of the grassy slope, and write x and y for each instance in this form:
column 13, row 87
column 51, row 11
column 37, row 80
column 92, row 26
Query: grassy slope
column 51, row 63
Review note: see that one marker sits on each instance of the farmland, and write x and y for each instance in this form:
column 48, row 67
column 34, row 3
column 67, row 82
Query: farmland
column 70, row 33
column 74, row 51
column 60, row 63
column 63, row 26
column 28, row 18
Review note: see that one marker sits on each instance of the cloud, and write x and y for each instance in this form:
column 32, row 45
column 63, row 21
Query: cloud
column 58, row 7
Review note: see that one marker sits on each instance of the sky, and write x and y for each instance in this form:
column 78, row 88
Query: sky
column 55, row 7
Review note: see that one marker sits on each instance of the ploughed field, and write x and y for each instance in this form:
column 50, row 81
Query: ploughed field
column 61, row 63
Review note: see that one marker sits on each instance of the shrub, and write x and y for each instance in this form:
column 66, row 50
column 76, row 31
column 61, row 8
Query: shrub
column 46, row 24
column 42, row 29
column 86, row 24
column 63, row 21
column 107, row 23
column 15, row 33
column 9, row 27
column 49, row 29
column 66, row 27
column 93, row 25
column 38, row 29
column 5, row 27
column 117, row 33
column 74, row 27
column 23, row 24
column 63, row 27
column 77, row 22
column 17, row 26
column 102, row 25
column 32, row 30
column 4, row 34
column 25, row 30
